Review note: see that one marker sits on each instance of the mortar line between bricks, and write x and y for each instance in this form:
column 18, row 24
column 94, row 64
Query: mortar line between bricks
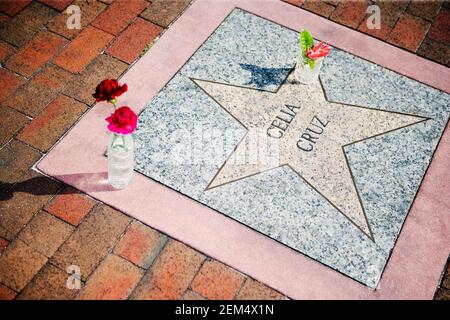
column 149, row 268
column 241, row 286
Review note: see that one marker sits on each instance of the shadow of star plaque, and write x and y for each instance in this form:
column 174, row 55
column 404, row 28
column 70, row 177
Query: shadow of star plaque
column 329, row 169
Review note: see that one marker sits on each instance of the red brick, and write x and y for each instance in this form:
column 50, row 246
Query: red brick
column 427, row 9
column 70, row 205
column 440, row 30
column 133, row 40
column 170, row 275
column 92, row 240
column 49, row 284
column 216, row 281
column 18, row 265
column 191, row 295
column 11, row 122
column 391, row 11
column 13, row 7
column 89, row 10
column 381, row 33
column 409, row 32
column 6, row 293
column 22, row 201
column 57, row 4
column 140, row 245
column 26, row 24
column 118, row 15
column 83, row 49
column 297, row 3
column 6, row 51
column 435, row 50
column 350, row 13
column 103, row 67
column 114, row 279
column 319, row 7
column 45, row 233
column 37, row 93
column 255, row 290
column 36, row 53
column 17, row 158
column 3, row 244
column 163, row 12
column 442, row 294
column 8, row 83
column 52, row 123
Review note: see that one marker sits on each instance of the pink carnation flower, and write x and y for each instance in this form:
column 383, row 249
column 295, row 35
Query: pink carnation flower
column 123, row 121
column 320, row 50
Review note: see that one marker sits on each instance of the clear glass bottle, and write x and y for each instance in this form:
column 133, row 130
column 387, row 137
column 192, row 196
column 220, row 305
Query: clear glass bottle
column 304, row 73
column 120, row 160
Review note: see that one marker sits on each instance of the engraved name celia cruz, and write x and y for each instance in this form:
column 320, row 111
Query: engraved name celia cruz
column 308, row 138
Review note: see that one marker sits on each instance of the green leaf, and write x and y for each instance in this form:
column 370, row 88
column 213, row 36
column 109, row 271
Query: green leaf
column 306, row 41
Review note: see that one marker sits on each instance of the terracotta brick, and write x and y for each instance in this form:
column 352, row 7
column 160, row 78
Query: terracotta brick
column 89, row 9
column 16, row 158
column 170, row 275
column 4, row 19
column 446, row 280
column 22, row 201
column 435, row 50
column 3, row 244
column 255, row 290
column 45, row 233
column 114, row 279
column 70, row 205
column 381, row 33
column 116, row 18
column 18, row 265
column 11, row 122
column 49, row 284
column 8, row 83
column 391, row 10
column 6, row 51
column 440, row 30
column 37, row 93
column 6, row 293
column 297, row 3
column 427, row 9
column 26, row 24
column 140, row 245
column 350, row 13
column 92, row 240
column 133, row 40
column 83, row 85
column 59, row 5
column 319, row 7
column 217, row 281
column 191, row 295
column 409, row 32
column 52, row 123
column 83, row 49
column 163, row 12
column 442, row 294
column 43, row 47
column 13, row 7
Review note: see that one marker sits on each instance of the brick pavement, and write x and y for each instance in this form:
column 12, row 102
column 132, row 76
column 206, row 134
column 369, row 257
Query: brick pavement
column 47, row 75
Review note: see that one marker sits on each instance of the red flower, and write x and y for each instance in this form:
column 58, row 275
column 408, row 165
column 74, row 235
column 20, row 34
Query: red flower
column 122, row 121
column 108, row 90
column 319, row 50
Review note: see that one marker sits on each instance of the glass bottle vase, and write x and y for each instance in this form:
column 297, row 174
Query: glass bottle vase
column 120, row 160
column 304, row 73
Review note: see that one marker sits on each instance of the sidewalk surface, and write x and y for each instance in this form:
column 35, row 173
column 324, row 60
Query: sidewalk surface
column 48, row 74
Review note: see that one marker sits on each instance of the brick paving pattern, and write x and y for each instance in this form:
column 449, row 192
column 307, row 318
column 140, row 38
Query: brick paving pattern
column 47, row 75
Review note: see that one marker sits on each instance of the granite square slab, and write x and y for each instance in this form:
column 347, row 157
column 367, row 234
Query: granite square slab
column 219, row 78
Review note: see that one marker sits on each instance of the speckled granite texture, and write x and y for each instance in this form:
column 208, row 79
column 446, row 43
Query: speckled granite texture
column 185, row 137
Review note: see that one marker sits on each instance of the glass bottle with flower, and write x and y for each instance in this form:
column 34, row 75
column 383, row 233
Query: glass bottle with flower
column 121, row 124
column 309, row 61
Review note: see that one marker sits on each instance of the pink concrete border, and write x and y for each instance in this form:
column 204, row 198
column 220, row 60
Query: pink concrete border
column 418, row 259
